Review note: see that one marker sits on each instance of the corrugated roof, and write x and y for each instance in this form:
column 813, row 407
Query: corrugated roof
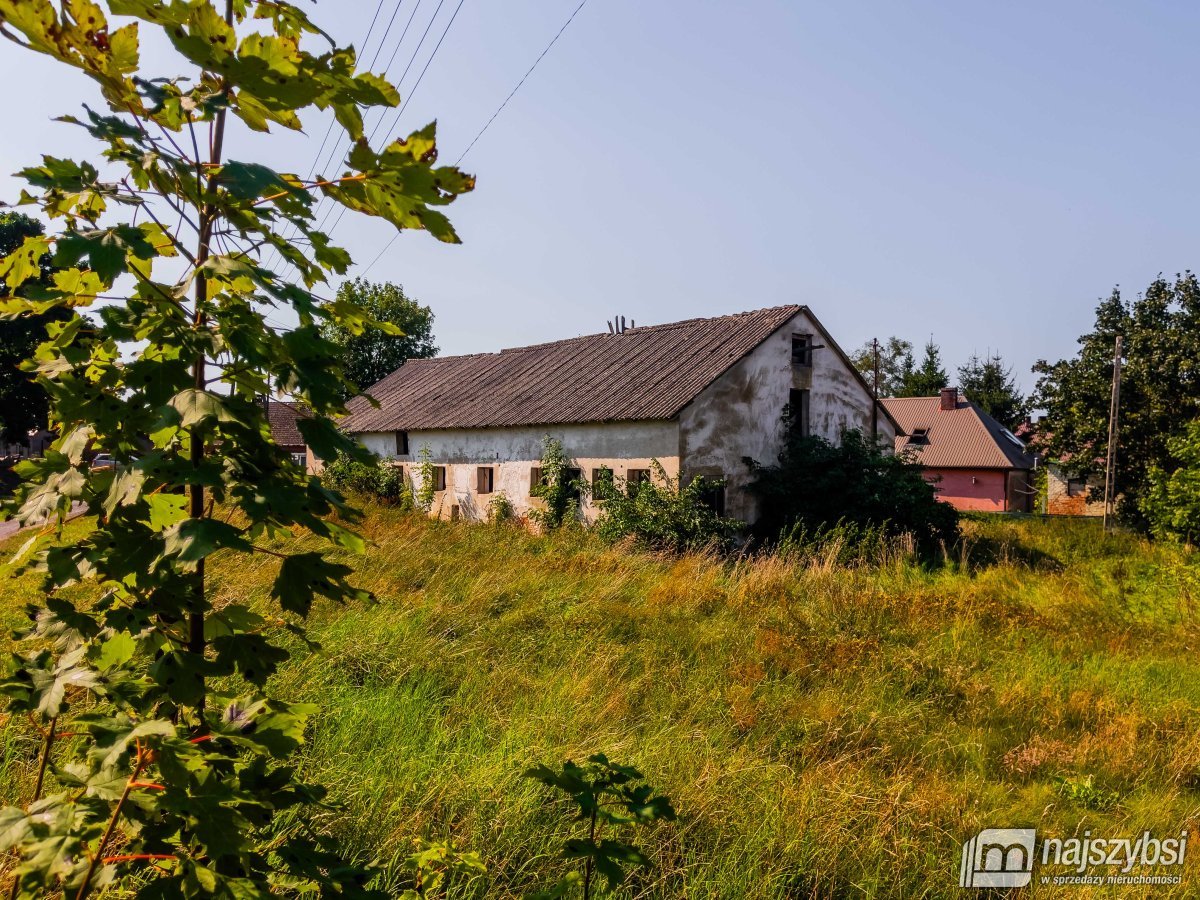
column 643, row 373
column 282, row 416
column 963, row 437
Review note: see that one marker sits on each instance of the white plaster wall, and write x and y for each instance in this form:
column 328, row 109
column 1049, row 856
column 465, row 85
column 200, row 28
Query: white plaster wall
column 513, row 452
column 738, row 415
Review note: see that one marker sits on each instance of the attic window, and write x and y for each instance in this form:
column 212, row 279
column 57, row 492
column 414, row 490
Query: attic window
column 402, row 443
column 802, row 348
column 919, row 436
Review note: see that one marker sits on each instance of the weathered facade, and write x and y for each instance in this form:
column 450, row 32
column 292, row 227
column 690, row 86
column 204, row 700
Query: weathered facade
column 973, row 461
column 696, row 397
column 1068, row 494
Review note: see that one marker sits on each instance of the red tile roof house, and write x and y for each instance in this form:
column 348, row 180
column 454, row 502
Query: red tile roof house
column 283, row 416
column 975, row 462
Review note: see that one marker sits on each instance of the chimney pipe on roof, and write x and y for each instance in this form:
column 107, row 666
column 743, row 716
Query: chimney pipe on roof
column 622, row 324
column 949, row 398
column 611, row 330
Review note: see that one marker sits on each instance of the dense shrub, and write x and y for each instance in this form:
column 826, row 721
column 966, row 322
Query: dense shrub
column 660, row 514
column 378, row 479
column 1172, row 502
column 560, row 489
column 817, row 485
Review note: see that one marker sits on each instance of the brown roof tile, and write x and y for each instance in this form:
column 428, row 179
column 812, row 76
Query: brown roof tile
column 282, row 416
column 963, row 437
column 643, row 373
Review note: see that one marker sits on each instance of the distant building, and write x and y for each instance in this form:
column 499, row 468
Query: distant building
column 283, row 417
column 698, row 397
column 1069, row 494
column 975, row 462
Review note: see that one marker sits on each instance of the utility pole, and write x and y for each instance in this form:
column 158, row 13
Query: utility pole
column 875, row 393
column 1110, row 474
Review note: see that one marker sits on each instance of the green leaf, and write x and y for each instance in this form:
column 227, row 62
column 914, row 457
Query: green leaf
column 14, row 827
column 249, row 181
column 115, row 650
column 195, row 539
column 306, row 575
column 24, row 262
column 166, row 510
column 196, row 407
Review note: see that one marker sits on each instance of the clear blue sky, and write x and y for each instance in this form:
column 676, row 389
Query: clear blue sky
column 981, row 172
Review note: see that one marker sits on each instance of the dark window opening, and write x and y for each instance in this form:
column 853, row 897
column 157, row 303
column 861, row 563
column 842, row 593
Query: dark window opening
column 919, row 436
column 1076, row 487
column 439, row 478
column 802, row 348
column 535, row 480
column 714, row 498
column 402, row 443
column 634, row 478
column 797, row 412
column 571, row 481
column 602, row 481
column 485, row 479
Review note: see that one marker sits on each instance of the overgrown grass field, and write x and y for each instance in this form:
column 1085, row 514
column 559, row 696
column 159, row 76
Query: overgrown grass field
column 824, row 731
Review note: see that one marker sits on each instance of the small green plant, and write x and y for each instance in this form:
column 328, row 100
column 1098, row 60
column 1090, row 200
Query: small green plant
column 437, row 866
column 375, row 478
column 428, row 487
column 558, row 489
column 605, row 794
column 1087, row 794
column 500, row 509
column 660, row 514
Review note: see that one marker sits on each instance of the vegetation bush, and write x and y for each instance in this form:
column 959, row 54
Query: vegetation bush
column 560, row 488
column 660, row 514
column 375, row 478
column 816, row 485
column 1172, row 501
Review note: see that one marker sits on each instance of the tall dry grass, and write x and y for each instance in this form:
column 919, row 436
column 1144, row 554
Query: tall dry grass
column 828, row 724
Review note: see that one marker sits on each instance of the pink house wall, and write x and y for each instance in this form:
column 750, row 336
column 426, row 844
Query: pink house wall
column 975, row 489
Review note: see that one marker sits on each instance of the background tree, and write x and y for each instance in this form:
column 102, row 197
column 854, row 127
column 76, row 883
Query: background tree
column 1172, row 502
column 1160, row 389
column 24, row 406
column 179, row 777
column 817, row 485
column 370, row 355
column 895, row 364
column 990, row 384
column 928, row 378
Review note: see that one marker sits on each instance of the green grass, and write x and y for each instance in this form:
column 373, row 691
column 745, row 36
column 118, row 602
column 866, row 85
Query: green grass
column 823, row 731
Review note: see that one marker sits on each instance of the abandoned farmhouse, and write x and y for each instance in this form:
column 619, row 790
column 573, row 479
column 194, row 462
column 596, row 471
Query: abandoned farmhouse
column 698, row 397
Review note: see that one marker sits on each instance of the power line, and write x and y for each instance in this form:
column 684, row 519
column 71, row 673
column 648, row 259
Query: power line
column 399, row 84
column 333, row 119
column 499, row 109
column 411, row 94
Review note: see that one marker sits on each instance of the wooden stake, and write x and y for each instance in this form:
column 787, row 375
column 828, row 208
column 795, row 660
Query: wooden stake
column 1110, row 474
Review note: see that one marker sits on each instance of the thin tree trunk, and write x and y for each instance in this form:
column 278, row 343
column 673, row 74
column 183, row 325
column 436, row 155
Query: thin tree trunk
column 208, row 215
